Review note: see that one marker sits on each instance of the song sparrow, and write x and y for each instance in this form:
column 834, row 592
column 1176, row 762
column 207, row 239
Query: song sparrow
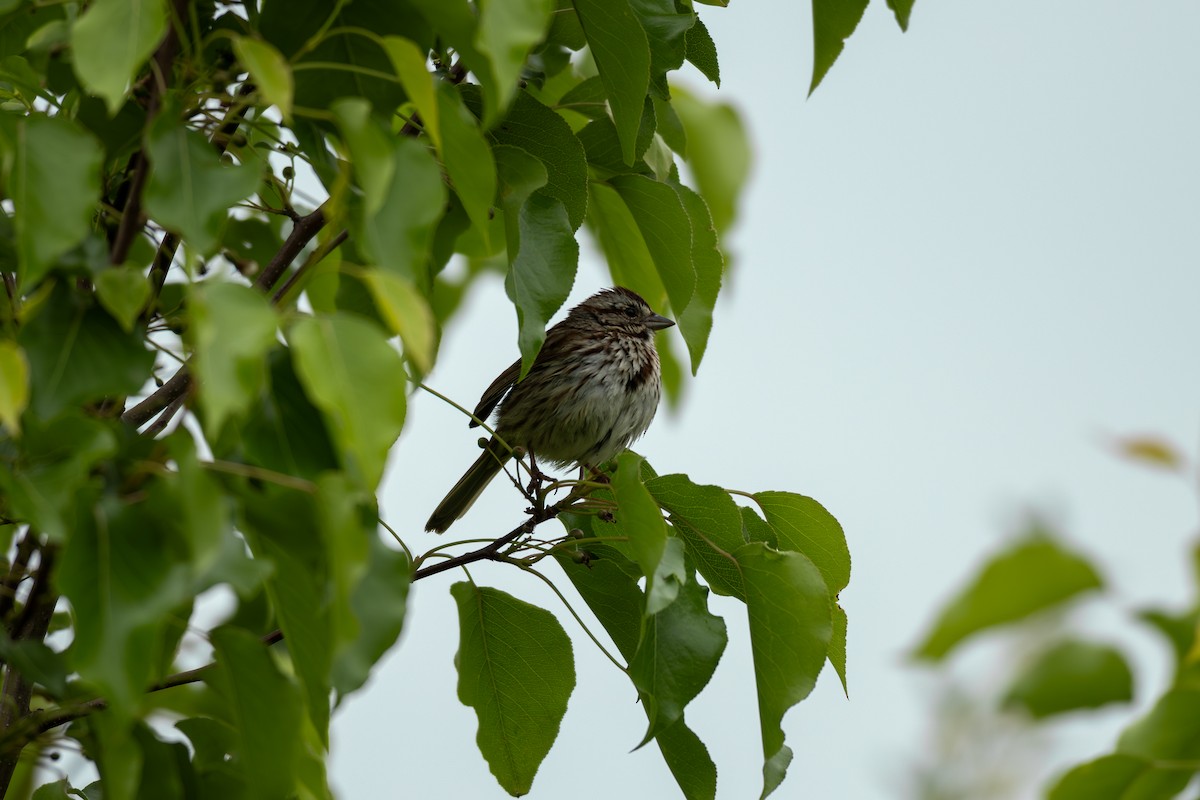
column 592, row 390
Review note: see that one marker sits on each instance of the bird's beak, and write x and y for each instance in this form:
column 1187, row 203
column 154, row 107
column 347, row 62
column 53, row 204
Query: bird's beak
column 656, row 322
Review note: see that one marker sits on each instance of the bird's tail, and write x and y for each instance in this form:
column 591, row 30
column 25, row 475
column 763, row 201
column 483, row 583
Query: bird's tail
column 469, row 486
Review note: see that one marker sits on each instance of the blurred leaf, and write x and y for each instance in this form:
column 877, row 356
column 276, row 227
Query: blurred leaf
column 624, row 248
column 269, row 71
column 123, row 292
column 667, row 231
column 695, row 321
column 1169, row 732
column 903, row 10
column 678, row 653
column 1151, row 451
column 507, row 30
column 398, row 238
column 111, row 41
column 702, row 52
column 46, row 484
column 409, row 61
column 1033, row 575
column 638, row 514
column 407, row 314
column 790, row 632
column 53, row 791
column 1119, row 777
column 233, row 328
column 467, row 158
column 78, row 354
column 456, row 23
column 190, row 191
column 357, row 380
column 544, row 134
column 542, row 271
column 689, row 762
column 54, row 188
column 264, row 708
column 586, row 98
column 708, row 523
column 802, row 524
column 379, row 604
column 1069, row 676
column 718, row 153
column 14, row 385
column 370, row 150
column 124, row 573
column 833, row 22
column 284, row 431
column 622, row 53
column 36, row 662
column 516, row 669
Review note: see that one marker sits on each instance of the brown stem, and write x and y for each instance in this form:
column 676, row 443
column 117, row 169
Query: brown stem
column 315, row 258
column 303, row 231
column 159, row 399
column 16, row 574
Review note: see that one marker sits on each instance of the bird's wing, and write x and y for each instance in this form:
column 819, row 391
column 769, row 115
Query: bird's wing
column 495, row 393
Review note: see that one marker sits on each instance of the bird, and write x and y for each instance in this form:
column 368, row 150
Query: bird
column 592, row 390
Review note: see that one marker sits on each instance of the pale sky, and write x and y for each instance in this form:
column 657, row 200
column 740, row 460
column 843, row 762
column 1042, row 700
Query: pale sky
column 961, row 265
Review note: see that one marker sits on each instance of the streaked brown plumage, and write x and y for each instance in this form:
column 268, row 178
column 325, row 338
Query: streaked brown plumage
column 592, row 390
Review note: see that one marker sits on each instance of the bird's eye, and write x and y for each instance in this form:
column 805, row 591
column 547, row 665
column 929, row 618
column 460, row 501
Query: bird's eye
column 630, row 312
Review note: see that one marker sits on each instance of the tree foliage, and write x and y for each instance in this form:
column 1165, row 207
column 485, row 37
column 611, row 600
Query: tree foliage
column 239, row 215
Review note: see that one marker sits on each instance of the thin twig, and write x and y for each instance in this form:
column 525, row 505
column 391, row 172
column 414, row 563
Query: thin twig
column 159, row 399
column 303, row 231
column 317, row 257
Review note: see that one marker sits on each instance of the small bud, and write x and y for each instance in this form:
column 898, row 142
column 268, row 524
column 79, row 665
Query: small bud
column 575, row 533
column 482, row 442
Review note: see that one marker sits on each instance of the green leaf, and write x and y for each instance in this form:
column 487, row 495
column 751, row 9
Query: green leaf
column 78, row 354
column 516, row 669
column 638, row 514
column 409, row 61
column 54, row 187
column 667, row 231
column 837, row 645
column 602, row 146
column 283, row 527
column 545, row 135
column 702, row 52
column 1069, row 676
column 708, row 523
column 36, row 662
column 456, row 22
column 399, row 236
column 542, row 271
column 407, row 315
column 718, row 153
column 270, row 72
column 125, row 572
column 357, row 380
column 112, row 40
column 233, row 328
column 507, row 30
column 670, row 127
column 790, row 632
column 833, row 22
column 903, row 10
column 679, row 651
column 607, row 582
column 285, row 432
column 123, row 292
column 46, row 485
column 53, row 791
column 14, row 385
column 689, row 762
column 467, row 158
column 1119, row 777
column 1033, row 575
column 379, row 602
column 624, row 248
column 263, row 707
column 370, row 150
column 802, row 524
column 1169, row 732
column 190, row 191
column 622, row 53
column 666, row 28
column 695, row 321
